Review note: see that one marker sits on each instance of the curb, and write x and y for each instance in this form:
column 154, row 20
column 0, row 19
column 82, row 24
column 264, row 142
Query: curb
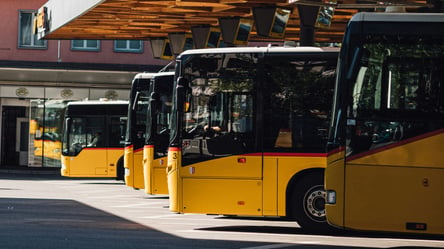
column 29, row 171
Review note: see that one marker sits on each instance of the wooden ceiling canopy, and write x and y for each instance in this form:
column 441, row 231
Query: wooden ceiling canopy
column 145, row 19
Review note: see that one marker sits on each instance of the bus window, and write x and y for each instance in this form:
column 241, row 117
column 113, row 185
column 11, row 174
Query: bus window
column 387, row 92
column 85, row 132
column 242, row 113
column 115, row 132
column 299, row 104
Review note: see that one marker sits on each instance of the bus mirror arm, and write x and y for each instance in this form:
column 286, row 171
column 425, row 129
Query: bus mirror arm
column 354, row 63
column 136, row 99
column 335, row 142
column 181, row 89
column 65, row 136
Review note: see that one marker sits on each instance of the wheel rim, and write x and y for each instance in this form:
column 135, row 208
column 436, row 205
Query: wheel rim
column 315, row 203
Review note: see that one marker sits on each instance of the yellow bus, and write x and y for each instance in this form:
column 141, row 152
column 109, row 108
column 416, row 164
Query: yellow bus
column 157, row 134
column 93, row 139
column 385, row 165
column 248, row 132
column 139, row 166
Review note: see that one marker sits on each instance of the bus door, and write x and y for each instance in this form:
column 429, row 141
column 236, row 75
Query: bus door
column 296, row 93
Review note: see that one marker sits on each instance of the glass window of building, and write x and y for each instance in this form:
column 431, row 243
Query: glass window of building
column 27, row 38
column 129, row 46
column 85, row 45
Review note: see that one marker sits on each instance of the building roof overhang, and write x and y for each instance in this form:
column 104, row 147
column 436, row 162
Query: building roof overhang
column 145, row 19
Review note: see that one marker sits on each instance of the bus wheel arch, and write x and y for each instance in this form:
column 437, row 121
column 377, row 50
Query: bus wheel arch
column 120, row 171
column 306, row 199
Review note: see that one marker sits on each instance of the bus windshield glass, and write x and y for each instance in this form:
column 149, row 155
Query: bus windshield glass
column 211, row 87
column 137, row 116
column 397, row 85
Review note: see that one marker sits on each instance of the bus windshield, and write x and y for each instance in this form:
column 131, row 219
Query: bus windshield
column 137, row 114
column 210, row 90
column 159, row 111
column 398, row 82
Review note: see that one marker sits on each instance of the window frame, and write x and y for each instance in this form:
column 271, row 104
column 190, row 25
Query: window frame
column 128, row 49
column 85, row 47
column 34, row 38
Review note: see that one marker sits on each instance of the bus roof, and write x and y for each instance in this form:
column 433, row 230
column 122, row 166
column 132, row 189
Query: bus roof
column 147, row 75
column 397, row 17
column 269, row 49
column 98, row 102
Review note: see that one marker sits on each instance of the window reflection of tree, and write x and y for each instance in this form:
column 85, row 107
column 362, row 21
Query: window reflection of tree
column 394, row 99
column 301, row 97
column 213, row 74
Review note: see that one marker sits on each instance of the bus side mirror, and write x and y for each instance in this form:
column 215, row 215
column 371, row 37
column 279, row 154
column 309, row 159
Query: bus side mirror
column 65, row 138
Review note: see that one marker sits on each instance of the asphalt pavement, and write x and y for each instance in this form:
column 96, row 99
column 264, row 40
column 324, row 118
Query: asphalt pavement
column 44, row 210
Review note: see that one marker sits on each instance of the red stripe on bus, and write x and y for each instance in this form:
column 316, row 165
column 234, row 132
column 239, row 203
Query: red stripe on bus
column 292, row 154
column 337, row 150
column 101, row 148
column 174, row 149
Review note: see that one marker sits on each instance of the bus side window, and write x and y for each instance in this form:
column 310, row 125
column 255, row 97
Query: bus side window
column 94, row 132
column 97, row 140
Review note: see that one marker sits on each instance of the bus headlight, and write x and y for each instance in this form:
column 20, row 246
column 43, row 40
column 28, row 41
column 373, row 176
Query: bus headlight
column 331, row 197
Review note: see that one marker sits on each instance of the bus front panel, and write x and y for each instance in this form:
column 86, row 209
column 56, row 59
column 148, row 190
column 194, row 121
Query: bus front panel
column 133, row 167
column 402, row 194
column 227, row 185
column 90, row 162
column 154, row 170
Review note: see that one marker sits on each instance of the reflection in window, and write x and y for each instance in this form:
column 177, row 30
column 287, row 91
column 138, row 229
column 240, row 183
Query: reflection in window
column 141, row 112
column 404, row 83
column 398, row 91
column 27, row 38
column 297, row 109
column 217, row 88
column 242, row 113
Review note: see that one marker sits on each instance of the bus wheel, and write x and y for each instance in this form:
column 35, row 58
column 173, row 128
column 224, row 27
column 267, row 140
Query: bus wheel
column 120, row 171
column 308, row 203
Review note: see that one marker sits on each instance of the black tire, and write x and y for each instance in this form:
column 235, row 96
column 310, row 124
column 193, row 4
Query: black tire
column 308, row 202
column 120, row 176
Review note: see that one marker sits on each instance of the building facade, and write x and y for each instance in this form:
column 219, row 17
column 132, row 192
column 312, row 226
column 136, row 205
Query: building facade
column 38, row 77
